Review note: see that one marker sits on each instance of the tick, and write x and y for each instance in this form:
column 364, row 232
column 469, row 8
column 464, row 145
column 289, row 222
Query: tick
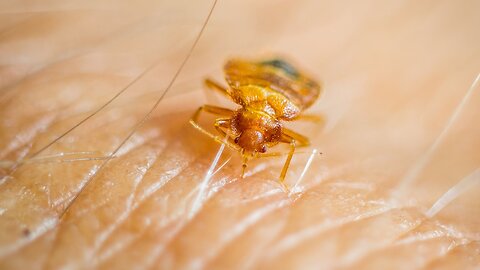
column 269, row 92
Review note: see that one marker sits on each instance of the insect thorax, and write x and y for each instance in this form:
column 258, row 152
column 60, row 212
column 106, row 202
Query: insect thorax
column 252, row 119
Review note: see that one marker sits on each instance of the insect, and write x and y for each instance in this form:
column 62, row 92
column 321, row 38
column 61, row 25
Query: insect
column 269, row 91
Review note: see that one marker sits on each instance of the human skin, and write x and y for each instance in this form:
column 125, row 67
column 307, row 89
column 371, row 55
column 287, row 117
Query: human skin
column 392, row 75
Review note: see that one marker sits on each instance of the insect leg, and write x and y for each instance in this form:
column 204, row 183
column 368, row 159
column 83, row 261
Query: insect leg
column 279, row 154
column 291, row 137
column 298, row 138
column 288, row 135
column 317, row 119
column 213, row 110
column 221, row 123
column 215, row 86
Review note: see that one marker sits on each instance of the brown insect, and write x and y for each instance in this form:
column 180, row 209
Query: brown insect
column 269, row 92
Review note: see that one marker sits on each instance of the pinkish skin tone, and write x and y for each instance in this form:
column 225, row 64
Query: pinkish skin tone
column 389, row 90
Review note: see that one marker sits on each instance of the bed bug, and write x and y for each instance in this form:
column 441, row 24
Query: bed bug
column 269, row 91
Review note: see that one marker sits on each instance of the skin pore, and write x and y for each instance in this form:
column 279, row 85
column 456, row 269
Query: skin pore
column 392, row 74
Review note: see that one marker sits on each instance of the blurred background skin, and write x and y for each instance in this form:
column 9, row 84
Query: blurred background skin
column 392, row 71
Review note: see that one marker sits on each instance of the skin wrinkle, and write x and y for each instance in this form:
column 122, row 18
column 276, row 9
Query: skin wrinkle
column 264, row 195
column 151, row 263
column 278, row 246
column 217, row 189
column 124, row 215
column 212, row 190
column 28, row 135
column 48, row 225
column 54, row 225
column 148, row 115
column 428, row 265
column 404, row 239
column 331, row 173
column 133, row 241
column 369, row 252
column 52, row 120
column 291, row 241
column 350, row 252
column 144, row 198
column 105, row 256
column 144, row 140
column 442, row 255
column 82, row 186
column 119, row 93
column 105, row 40
column 415, row 236
column 173, row 235
column 95, row 172
column 57, row 229
column 61, row 221
column 357, row 263
column 186, row 222
column 321, row 180
column 138, row 204
column 457, row 233
column 345, row 173
column 253, row 261
column 24, row 247
column 166, row 223
column 242, row 226
column 425, row 219
column 61, row 201
column 51, row 125
column 350, row 264
column 86, row 211
column 150, row 192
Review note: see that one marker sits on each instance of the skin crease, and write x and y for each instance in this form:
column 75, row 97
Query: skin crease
column 392, row 74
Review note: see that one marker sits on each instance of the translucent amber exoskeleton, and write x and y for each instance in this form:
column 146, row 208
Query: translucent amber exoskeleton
column 269, row 91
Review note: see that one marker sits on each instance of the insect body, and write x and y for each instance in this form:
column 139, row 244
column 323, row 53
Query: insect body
column 269, row 92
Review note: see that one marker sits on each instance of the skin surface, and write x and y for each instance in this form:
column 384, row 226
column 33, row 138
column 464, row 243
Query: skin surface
column 392, row 73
